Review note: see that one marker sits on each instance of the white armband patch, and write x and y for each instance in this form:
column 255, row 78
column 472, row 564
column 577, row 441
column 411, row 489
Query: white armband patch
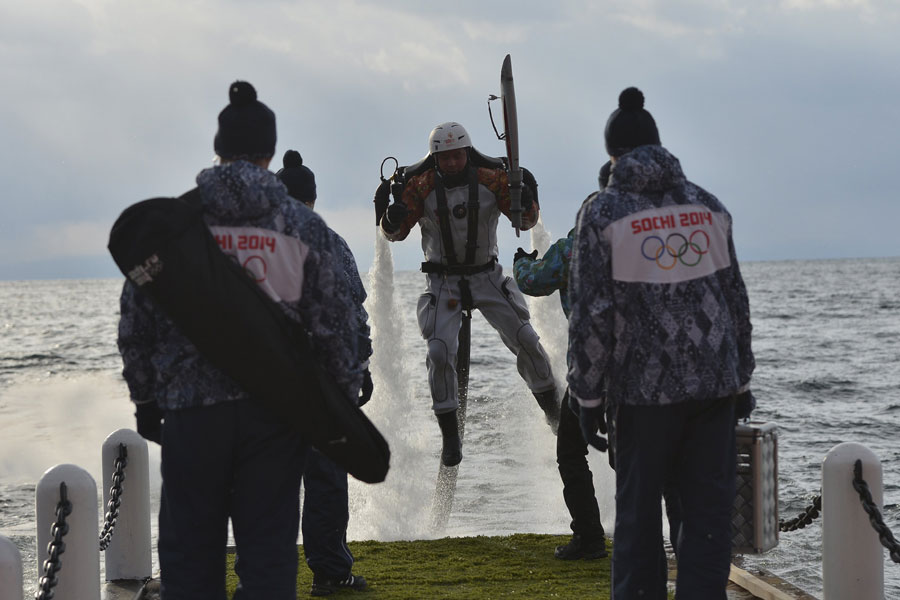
column 669, row 245
column 274, row 260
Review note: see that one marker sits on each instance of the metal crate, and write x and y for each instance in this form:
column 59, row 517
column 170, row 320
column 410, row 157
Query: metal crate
column 754, row 521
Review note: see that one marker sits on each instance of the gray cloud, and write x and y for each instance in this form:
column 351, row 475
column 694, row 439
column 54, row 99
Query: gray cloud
column 785, row 110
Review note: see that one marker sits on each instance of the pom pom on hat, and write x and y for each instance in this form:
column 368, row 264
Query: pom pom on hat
column 631, row 99
column 246, row 126
column 297, row 178
column 630, row 126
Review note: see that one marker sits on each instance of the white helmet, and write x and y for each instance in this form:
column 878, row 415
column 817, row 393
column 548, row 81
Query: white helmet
column 448, row 136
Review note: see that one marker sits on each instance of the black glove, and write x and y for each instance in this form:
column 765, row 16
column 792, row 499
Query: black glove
column 591, row 419
column 527, row 198
column 382, row 199
column 149, row 421
column 744, row 404
column 396, row 214
column 522, row 254
column 529, row 189
column 365, row 392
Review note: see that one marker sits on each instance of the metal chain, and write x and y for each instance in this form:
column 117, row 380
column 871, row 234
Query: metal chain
column 884, row 534
column 115, row 498
column 56, row 546
column 809, row 515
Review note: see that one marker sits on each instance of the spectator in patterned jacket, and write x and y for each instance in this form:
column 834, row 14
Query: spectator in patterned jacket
column 542, row 277
column 326, row 511
column 224, row 456
column 660, row 329
column 457, row 204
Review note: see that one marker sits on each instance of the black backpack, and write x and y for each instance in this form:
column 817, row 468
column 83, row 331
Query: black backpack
column 165, row 248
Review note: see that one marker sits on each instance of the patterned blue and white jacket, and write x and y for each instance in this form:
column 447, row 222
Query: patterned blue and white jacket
column 358, row 294
column 660, row 313
column 295, row 259
column 545, row 275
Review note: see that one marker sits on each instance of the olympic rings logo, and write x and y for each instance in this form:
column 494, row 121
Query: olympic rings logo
column 687, row 251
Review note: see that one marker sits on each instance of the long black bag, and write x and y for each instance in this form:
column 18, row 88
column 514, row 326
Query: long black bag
column 165, row 248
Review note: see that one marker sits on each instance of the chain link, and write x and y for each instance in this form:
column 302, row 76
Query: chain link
column 884, row 534
column 115, row 498
column 809, row 514
column 56, row 546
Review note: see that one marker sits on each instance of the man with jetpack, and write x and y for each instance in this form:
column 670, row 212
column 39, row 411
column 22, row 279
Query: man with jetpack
column 240, row 349
column 456, row 195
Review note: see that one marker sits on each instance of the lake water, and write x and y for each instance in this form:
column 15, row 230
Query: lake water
column 826, row 339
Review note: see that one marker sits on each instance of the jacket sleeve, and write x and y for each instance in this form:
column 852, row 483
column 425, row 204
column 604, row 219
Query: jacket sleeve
column 329, row 312
column 543, row 276
column 358, row 293
column 136, row 338
column 739, row 305
column 591, row 336
column 414, row 194
column 497, row 182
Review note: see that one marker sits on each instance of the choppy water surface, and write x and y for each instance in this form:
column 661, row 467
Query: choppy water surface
column 826, row 338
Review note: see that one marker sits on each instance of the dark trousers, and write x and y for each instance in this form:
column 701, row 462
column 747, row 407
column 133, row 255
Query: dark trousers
column 230, row 460
column 690, row 447
column 325, row 518
column 577, row 479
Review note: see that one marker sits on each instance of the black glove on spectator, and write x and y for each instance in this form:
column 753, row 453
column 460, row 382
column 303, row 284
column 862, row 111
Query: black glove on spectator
column 522, row 254
column 149, row 421
column 591, row 419
column 365, row 392
column 744, row 404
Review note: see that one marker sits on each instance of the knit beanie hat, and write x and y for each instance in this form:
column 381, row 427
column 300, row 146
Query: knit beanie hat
column 246, row 126
column 298, row 179
column 630, row 126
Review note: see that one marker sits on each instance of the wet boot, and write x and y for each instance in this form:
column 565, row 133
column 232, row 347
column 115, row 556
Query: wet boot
column 580, row 548
column 451, row 452
column 547, row 402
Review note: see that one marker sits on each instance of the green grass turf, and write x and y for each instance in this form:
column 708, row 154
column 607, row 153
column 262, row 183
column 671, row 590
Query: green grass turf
column 516, row 566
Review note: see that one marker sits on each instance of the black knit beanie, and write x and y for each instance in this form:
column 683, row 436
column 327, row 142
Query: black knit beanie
column 630, row 126
column 298, row 179
column 246, row 126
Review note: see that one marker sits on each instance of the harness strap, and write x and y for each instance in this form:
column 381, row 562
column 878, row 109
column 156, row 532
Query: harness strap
column 430, row 267
column 465, row 294
column 443, row 214
column 472, row 210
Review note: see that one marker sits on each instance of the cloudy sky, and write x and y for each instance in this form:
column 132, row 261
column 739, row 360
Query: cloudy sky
column 787, row 110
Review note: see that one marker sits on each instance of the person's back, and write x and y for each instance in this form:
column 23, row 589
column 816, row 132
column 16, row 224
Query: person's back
column 665, row 255
column 288, row 250
column 221, row 448
column 660, row 329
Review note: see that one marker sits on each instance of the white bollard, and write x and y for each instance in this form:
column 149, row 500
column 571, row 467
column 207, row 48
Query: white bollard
column 10, row 570
column 852, row 555
column 79, row 576
column 129, row 555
